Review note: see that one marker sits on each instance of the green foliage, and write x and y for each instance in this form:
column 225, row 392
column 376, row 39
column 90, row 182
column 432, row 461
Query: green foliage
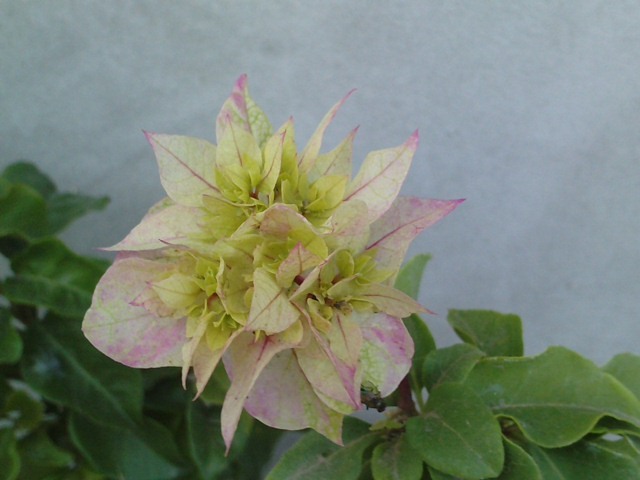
column 474, row 410
column 553, row 406
column 67, row 412
column 48, row 274
column 449, row 364
column 10, row 340
column 316, row 458
column 494, row 333
column 457, row 434
column 396, row 460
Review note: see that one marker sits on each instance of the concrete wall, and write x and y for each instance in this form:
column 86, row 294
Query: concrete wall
column 530, row 110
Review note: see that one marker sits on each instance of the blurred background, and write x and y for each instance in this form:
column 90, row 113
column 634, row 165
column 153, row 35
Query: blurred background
column 529, row 110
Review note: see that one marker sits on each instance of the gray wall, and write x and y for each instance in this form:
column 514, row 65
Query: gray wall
column 530, row 110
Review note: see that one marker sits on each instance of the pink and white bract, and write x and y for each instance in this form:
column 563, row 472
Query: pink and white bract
column 274, row 261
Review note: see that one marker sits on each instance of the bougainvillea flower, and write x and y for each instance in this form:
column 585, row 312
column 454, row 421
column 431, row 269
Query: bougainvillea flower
column 276, row 262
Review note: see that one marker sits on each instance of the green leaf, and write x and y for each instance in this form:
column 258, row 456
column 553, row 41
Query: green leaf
column 316, row 458
column 64, row 208
column 24, row 411
column 494, row 333
column 9, row 458
column 436, row 475
column 119, row 453
column 555, row 398
column 50, row 275
column 612, row 425
column 28, row 174
column 250, row 455
column 24, row 212
column 584, row 461
column 11, row 245
column 458, row 434
column 410, row 276
column 449, row 364
column 10, row 340
column 629, row 447
column 424, row 344
column 205, row 443
column 61, row 208
column 518, row 464
column 396, row 460
column 60, row 364
column 41, row 457
column 626, row 368
column 216, row 389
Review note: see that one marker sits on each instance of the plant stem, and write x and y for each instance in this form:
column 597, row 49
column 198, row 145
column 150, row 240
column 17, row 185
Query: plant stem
column 405, row 400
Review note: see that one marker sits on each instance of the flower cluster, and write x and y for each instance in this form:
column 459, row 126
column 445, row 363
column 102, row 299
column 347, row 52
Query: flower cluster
column 273, row 260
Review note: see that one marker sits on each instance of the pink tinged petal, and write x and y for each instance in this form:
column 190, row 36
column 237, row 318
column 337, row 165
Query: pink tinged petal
column 335, row 162
column 389, row 300
column 308, row 284
column 310, row 153
column 205, row 360
column 271, row 311
column 190, row 347
column 235, row 147
column 241, row 111
column 279, row 220
column 283, row 398
column 387, row 351
column 272, row 163
column 381, row 176
column 173, row 225
column 332, row 364
column 392, row 234
column 297, row 262
column 349, row 227
column 151, row 302
column 246, row 358
column 128, row 333
column 186, row 167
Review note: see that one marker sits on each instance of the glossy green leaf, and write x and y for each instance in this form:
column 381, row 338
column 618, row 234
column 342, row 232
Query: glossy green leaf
column 61, row 208
column 449, row 364
column 41, row 458
column 64, row 208
column 424, row 344
column 50, row 275
column 396, row 460
column 584, row 460
column 626, row 446
column 625, row 367
column 10, row 340
column 518, row 464
column 9, row 458
column 494, row 333
column 436, row 475
column 615, row 426
column 316, row 458
column 410, row 276
column 62, row 366
column 458, row 435
column 118, row 452
column 28, row 174
column 24, row 212
column 555, row 398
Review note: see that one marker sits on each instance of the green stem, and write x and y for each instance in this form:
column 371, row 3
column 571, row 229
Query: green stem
column 417, row 392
